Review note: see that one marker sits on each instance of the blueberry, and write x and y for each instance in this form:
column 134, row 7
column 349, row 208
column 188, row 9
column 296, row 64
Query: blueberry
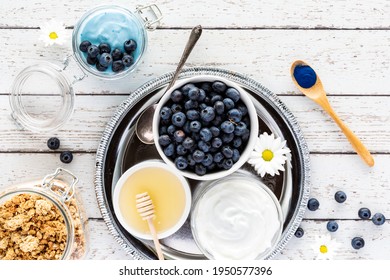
column 198, row 156
column 190, row 160
column 202, row 106
column 178, row 119
column 229, row 104
column 165, row 113
column 240, row 129
column 227, row 163
column 204, row 146
column 211, row 167
column 118, row 66
column 234, row 115
column 171, row 129
column 313, row 204
column 179, row 136
column 340, row 196
column 169, row 150
column 176, row 108
column 364, row 213
column 216, row 142
column 188, row 143
column 237, row 142
column 84, row 46
column 53, row 143
column 227, row 137
column 207, row 101
column 92, row 60
column 207, row 114
column 357, row 243
column 219, row 87
column 165, row 122
column 219, row 107
column 378, row 219
column 191, row 104
column 332, row 226
column 202, row 95
column 93, row 51
column 192, row 115
column 215, row 131
column 205, row 134
column 176, row 96
column 195, row 126
column 216, row 98
column 242, row 108
column 218, row 157
column 104, row 48
column 227, row 127
column 246, row 135
column 236, row 155
column 299, row 232
column 193, row 93
column 163, row 130
column 66, row 157
column 186, row 88
column 100, row 67
column 130, row 46
column 164, row 140
column 206, row 87
column 200, row 169
column 180, row 150
column 217, row 120
column 208, row 160
column 117, row 54
column 127, row 60
column 186, row 127
column 181, row 163
column 233, row 94
column 227, row 152
column 105, row 59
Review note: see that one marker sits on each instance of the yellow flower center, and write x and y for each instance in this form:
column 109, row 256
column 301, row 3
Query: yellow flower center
column 53, row 35
column 323, row 249
column 267, row 155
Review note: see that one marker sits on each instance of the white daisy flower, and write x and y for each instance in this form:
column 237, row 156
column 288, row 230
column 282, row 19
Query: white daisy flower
column 325, row 247
column 269, row 155
column 53, row 32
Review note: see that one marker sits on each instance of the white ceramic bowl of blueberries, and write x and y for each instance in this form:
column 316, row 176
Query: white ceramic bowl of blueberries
column 205, row 126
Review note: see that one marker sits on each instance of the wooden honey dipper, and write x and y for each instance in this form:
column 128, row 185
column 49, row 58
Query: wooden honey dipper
column 145, row 208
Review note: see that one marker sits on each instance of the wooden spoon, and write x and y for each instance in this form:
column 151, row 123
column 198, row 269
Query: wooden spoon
column 145, row 208
column 318, row 95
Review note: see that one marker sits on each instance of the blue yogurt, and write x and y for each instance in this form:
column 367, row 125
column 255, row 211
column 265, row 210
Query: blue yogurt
column 113, row 26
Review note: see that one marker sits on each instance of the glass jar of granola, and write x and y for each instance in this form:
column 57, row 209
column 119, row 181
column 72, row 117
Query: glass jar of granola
column 43, row 220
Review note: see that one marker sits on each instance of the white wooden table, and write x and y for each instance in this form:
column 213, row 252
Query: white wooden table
column 347, row 42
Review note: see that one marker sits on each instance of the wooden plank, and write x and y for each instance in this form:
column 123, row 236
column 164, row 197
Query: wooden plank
column 377, row 242
column 365, row 187
column 348, row 62
column 367, row 116
column 218, row 13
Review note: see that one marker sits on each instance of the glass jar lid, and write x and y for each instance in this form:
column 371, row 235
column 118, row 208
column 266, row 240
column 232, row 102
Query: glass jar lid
column 42, row 98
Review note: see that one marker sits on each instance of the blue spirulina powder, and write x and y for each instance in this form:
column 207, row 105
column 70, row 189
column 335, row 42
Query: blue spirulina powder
column 305, row 76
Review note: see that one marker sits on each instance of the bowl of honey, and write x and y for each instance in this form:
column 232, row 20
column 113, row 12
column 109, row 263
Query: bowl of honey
column 170, row 194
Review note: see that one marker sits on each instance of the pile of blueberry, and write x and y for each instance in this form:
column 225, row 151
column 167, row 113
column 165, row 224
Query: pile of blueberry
column 102, row 57
column 204, row 127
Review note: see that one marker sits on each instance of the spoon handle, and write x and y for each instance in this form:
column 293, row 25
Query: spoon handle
column 155, row 240
column 353, row 139
column 194, row 37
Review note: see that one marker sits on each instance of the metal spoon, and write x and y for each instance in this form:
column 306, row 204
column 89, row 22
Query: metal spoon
column 318, row 95
column 143, row 127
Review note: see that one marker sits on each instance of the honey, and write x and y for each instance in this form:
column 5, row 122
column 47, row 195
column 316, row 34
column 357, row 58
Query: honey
column 165, row 190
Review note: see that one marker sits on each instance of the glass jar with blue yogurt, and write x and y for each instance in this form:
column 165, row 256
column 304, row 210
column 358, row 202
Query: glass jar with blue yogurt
column 110, row 41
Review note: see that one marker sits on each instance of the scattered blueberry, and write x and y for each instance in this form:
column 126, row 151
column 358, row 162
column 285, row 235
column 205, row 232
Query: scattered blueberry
column 364, row 213
column 127, row 60
column 340, row 196
column 84, row 46
column 117, row 54
column 299, row 232
column 313, row 204
column 100, row 67
column 93, row 51
column 233, row 94
column 332, row 226
column 53, row 143
column 181, row 163
column 357, row 243
column 130, row 46
column 66, row 157
column 104, row 48
column 118, row 66
column 378, row 219
column 178, row 119
column 219, row 87
column 105, row 59
column 179, row 136
column 165, row 113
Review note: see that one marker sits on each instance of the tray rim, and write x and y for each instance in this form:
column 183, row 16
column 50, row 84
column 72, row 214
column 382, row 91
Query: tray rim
column 257, row 88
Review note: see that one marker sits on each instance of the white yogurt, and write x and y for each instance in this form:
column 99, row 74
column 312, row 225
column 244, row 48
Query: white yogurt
column 236, row 219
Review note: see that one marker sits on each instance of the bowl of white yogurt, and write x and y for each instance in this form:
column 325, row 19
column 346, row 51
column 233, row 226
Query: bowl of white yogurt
column 236, row 218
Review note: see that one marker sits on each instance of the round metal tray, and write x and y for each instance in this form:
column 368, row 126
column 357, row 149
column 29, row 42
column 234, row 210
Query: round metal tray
column 120, row 149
